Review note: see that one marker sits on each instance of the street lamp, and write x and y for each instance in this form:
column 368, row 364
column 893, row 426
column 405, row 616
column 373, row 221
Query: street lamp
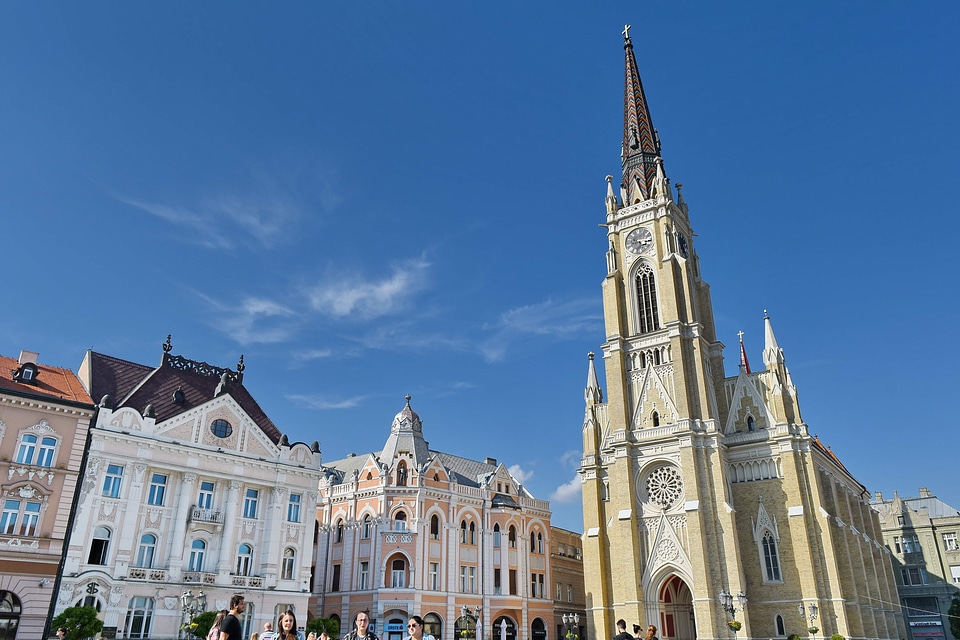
column 190, row 606
column 473, row 614
column 726, row 602
column 811, row 613
column 571, row 622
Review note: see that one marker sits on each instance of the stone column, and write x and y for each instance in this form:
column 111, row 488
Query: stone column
column 228, row 541
column 184, row 504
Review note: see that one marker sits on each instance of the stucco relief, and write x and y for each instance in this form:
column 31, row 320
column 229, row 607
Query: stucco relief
column 32, row 473
column 126, row 419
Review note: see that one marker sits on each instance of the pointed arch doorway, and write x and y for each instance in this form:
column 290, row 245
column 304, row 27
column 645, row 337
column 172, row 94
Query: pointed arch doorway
column 677, row 620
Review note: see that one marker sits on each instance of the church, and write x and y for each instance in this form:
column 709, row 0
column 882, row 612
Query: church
column 710, row 511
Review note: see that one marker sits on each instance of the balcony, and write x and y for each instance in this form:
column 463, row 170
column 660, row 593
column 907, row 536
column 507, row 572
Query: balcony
column 199, row 577
column 255, row 582
column 149, row 575
column 214, row 516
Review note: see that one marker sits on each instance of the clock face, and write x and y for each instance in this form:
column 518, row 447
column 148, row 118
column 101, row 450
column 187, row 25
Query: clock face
column 640, row 240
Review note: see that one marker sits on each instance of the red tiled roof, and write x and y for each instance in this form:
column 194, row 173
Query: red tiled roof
column 54, row 382
column 135, row 385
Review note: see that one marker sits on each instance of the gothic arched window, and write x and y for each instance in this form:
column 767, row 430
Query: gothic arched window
column 435, row 527
column 771, row 558
column 781, row 628
column 648, row 316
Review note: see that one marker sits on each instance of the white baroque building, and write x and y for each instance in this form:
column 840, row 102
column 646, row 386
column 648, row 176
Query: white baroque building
column 188, row 486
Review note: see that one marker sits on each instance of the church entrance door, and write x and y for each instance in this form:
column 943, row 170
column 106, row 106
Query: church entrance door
column 677, row 621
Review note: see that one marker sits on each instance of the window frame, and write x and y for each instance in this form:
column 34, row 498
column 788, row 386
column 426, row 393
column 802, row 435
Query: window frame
column 158, row 490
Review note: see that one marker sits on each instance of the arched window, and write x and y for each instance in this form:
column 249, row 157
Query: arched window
column 496, row 535
column 402, row 474
column 90, row 601
column 433, row 625
column 48, row 447
column 539, row 543
column 781, row 628
column 148, row 546
column 463, row 532
column 198, row 549
column 366, row 527
column 771, row 559
column 10, row 609
column 400, row 521
column 139, row 617
column 338, row 533
column 533, row 542
column 244, row 559
column 750, row 426
column 398, row 573
column 656, row 419
column 435, row 527
column 28, row 446
column 649, row 316
column 99, row 546
column 472, row 538
column 512, row 537
column 289, row 563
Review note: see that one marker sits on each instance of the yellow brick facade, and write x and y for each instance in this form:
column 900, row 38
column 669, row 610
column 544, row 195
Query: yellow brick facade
column 695, row 483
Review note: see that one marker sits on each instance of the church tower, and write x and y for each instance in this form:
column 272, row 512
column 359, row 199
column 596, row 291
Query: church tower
column 695, row 484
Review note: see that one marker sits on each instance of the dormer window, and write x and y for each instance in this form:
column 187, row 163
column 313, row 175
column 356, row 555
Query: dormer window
column 26, row 373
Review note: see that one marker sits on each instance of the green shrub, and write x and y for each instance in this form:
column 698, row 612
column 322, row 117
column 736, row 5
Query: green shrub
column 837, row 636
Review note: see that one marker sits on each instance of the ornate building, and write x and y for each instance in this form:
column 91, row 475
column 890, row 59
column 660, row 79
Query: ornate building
column 566, row 574
column 413, row 531
column 697, row 484
column 923, row 536
column 188, row 487
column 45, row 414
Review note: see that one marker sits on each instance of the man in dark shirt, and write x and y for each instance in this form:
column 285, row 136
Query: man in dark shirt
column 621, row 631
column 230, row 628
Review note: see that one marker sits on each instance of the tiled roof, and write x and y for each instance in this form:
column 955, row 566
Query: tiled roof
column 828, row 452
column 136, row 386
column 55, row 382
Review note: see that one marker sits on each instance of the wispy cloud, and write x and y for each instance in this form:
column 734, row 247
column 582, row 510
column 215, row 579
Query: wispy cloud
column 571, row 458
column 552, row 318
column 519, row 473
column 567, row 492
column 253, row 320
column 318, row 402
column 350, row 296
column 263, row 215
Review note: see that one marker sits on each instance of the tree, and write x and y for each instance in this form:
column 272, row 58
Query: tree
column 954, row 613
column 319, row 625
column 80, row 622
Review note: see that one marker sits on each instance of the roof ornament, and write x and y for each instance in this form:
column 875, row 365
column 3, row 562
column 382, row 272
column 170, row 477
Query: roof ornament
column 167, row 346
column 240, row 368
column 744, row 363
column 626, row 35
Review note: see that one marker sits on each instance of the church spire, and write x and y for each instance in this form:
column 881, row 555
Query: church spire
column 641, row 146
column 592, row 394
column 772, row 353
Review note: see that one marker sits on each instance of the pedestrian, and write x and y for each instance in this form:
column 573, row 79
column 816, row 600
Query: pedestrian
column 651, row 633
column 287, row 627
column 361, row 628
column 230, row 628
column 622, row 631
column 415, row 629
column 214, row 633
column 636, row 632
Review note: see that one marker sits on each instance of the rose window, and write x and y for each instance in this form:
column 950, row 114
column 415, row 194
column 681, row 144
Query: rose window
column 664, row 486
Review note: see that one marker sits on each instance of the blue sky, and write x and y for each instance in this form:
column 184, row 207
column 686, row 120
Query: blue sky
column 370, row 199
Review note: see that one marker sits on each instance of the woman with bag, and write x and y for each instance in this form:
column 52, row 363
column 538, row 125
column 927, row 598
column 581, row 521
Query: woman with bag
column 214, row 633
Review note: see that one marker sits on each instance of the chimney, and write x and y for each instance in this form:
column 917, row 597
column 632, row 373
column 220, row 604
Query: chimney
column 878, row 496
column 490, row 461
column 28, row 356
column 925, row 493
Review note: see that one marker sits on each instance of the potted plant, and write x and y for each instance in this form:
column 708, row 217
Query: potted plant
column 734, row 625
column 813, row 630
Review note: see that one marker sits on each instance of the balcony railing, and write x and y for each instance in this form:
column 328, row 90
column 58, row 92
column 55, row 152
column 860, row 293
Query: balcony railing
column 206, row 515
column 152, row 575
column 247, row 581
column 200, row 577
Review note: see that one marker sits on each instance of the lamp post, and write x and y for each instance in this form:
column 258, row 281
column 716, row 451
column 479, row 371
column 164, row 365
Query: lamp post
column 190, row 606
column 810, row 614
column 473, row 614
column 571, row 624
column 726, row 602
